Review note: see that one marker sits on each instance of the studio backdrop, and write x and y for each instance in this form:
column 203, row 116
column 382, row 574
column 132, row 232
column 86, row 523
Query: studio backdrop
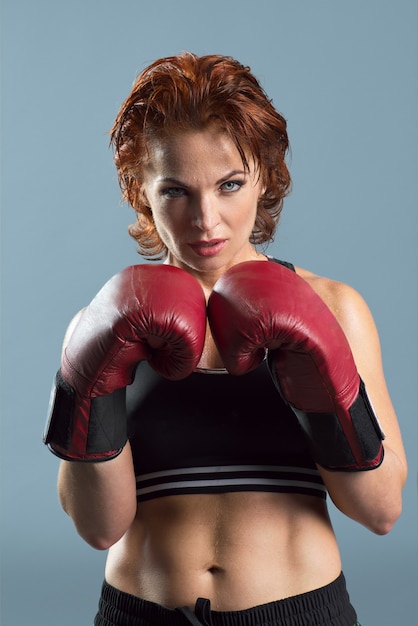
column 344, row 76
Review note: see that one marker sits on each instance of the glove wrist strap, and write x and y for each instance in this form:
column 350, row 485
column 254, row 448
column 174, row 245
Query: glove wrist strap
column 85, row 429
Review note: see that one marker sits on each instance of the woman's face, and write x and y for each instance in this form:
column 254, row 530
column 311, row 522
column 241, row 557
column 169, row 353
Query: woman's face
column 203, row 202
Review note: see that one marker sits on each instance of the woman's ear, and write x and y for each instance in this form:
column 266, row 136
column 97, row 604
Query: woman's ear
column 263, row 189
column 262, row 181
column 142, row 195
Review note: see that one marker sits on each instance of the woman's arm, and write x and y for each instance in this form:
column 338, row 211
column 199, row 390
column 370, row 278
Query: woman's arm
column 143, row 312
column 99, row 497
column 374, row 497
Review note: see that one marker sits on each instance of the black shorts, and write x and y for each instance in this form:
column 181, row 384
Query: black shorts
column 327, row 606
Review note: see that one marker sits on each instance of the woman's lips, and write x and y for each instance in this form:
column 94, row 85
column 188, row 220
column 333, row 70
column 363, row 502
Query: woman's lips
column 208, row 248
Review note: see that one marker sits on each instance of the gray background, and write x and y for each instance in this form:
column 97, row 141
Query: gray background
column 344, row 75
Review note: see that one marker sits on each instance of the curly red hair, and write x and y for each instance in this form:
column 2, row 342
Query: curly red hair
column 187, row 92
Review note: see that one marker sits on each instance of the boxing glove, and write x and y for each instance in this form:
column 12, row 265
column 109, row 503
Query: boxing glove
column 146, row 312
column 260, row 309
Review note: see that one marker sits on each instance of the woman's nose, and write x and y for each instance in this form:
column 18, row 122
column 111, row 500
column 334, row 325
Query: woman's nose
column 205, row 213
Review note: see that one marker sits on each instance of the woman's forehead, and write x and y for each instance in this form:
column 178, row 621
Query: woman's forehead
column 190, row 148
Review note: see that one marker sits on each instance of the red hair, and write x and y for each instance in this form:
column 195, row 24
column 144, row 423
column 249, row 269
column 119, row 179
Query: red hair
column 187, row 92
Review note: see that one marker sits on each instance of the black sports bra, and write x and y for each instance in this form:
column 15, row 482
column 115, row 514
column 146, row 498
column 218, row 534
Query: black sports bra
column 213, row 433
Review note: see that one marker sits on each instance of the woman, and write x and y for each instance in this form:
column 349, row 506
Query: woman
column 212, row 499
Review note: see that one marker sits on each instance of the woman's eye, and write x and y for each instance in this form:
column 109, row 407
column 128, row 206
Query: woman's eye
column 231, row 185
column 172, row 192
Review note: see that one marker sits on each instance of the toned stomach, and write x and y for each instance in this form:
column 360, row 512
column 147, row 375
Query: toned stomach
column 237, row 549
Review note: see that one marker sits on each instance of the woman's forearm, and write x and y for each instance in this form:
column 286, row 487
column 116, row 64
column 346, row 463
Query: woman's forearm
column 372, row 498
column 99, row 497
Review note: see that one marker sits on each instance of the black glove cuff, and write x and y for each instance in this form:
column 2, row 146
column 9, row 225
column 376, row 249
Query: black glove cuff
column 332, row 448
column 73, row 437
column 60, row 413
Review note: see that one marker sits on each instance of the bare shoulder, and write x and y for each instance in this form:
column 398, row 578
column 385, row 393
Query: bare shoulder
column 348, row 306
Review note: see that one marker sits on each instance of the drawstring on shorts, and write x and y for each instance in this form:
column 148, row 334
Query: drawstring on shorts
column 200, row 616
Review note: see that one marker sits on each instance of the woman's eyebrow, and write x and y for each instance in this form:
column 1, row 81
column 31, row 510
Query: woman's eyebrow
column 173, row 181
column 230, row 175
column 179, row 183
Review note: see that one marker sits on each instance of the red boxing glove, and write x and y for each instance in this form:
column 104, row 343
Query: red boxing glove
column 152, row 312
column 257, row 307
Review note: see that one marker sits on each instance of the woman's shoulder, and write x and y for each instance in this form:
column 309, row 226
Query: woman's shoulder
column 346, row 303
